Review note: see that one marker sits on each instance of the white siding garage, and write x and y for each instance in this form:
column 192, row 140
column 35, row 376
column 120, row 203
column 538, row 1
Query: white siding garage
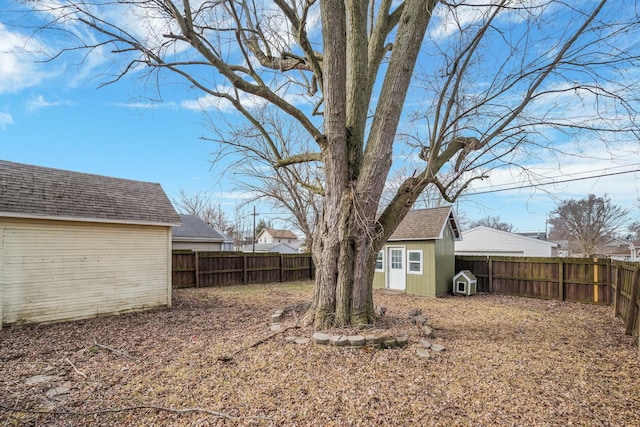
column 487, row 241
column 55, row 268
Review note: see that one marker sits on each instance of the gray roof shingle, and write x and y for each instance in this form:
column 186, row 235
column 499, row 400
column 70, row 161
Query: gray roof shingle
column 194, row 227
column 35, row 191
column 425, row 224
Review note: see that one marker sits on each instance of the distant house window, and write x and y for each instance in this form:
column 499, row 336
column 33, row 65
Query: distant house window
column 415, row 262
column 380, row 261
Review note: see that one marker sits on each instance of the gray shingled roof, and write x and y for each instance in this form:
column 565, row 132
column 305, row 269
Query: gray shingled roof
column 425, row 224
column 194, row 228
column 35, row 191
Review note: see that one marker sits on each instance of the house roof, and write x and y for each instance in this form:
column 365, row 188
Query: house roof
column 279, row 234
column 28, row 191
column 426, row 224
column 194, row 228
column 270, row 247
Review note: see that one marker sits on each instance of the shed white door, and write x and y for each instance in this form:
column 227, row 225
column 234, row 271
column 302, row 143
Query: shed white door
column 396, row 275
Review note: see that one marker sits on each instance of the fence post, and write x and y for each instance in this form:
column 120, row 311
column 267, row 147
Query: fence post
column 282, row 267
column 196, row 257
column 244, row 269
column 631, row 316
column 596, row 296
column 490, row 275
column 615, row 284
column 561, row 279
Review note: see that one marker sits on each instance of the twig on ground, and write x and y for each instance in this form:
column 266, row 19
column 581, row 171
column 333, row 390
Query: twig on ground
column 228, row 357
column 119, row 352
column 132, row 408
column 75, row 369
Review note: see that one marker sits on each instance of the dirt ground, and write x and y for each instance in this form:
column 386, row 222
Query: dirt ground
column 507, row 362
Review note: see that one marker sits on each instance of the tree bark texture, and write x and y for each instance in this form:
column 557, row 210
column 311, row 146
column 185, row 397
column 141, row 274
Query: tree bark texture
column 348, row 235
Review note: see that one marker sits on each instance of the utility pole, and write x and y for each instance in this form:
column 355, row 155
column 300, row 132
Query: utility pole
column 254, row 229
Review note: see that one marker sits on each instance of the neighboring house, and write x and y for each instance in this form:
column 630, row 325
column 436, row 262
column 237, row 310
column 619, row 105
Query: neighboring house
column 75, row 245
column 634, row 247
column 487, row 241
column 196, row 235
column 617, row 249
column 268, row 235
column 282, row 248
column 419, row 256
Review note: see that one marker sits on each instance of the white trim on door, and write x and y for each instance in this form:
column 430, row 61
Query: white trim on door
column 396, row 276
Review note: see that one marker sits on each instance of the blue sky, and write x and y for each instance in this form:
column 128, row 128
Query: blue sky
column 54, row 114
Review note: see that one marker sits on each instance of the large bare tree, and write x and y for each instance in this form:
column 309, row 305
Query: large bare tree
column 495, row 77
column 589, row 221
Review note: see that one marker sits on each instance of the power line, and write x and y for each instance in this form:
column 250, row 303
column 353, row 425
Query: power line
column 542, row 184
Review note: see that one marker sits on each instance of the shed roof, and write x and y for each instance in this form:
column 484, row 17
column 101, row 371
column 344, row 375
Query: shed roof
column 194, row 228
column 29, row 191
column 426, row 224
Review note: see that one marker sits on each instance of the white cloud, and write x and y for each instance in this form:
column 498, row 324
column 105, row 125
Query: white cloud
column 39, row 103
column 5, row 120
column 18, row 67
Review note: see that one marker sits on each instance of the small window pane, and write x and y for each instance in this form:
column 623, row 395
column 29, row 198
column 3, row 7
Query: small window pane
column 379, row 261
column 415, row 262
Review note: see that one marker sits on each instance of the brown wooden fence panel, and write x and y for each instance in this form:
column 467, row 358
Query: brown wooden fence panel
column 587, row 280
column 183, row 269
column 564, row 279
column 625, row 287
column 206, row 269
column 297, row 268
column 479, row 266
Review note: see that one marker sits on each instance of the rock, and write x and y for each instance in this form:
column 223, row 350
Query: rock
column 278, row 311
column 415, row 312
column 58, row 392
column 437, row 347
column 290, row 338
column 356, row 340
column 39, row 379
column 390, row 343
column 420, row 320
column 338, row 340
column 423, row 352
column 428, row 332
column 373, row 340
column 402, row 340
column 276, row 318
column 424, row 343
column 275, row 327
column 320, row 338
column 301, row 340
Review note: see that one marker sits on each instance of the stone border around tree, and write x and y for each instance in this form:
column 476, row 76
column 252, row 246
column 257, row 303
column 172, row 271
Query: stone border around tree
column 374, row 341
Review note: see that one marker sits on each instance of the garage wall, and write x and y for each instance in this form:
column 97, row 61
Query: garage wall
column 61, row 270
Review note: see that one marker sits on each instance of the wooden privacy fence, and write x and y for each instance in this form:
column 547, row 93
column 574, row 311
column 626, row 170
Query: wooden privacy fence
column 625, row 284
column 586, row 280
column 204, row 269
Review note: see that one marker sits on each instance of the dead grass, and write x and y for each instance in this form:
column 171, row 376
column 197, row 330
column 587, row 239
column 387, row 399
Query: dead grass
column 508, row 362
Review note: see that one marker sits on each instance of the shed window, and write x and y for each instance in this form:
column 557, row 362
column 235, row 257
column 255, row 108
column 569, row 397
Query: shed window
column 380, row 261
column 414, row 259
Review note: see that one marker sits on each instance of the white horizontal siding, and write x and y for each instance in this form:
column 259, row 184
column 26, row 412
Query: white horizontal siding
column 56, row 270
column 197, row 246
column 488, row 241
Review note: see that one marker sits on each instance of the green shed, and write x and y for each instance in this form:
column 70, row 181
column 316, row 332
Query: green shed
column 419, row 256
